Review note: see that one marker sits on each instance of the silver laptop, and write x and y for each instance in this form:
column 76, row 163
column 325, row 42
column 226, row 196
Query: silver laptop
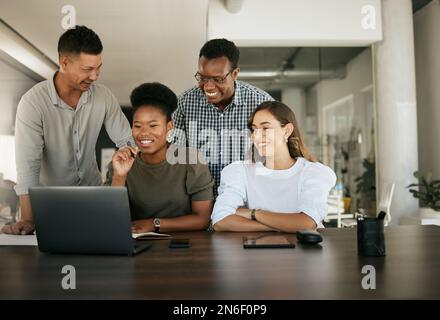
column 84, row 220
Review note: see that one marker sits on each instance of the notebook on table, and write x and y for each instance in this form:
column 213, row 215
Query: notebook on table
column 150, row 236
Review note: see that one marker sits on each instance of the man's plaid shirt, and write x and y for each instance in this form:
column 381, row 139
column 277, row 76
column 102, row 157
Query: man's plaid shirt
column 221, row 136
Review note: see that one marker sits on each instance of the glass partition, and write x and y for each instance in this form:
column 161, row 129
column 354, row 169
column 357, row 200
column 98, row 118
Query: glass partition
column 330, row 89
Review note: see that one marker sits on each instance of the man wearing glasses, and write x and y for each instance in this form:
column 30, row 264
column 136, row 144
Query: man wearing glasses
column 212, row 116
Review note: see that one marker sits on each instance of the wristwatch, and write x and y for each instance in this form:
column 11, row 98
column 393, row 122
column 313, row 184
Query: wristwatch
column 253, row 215
column 156, row 223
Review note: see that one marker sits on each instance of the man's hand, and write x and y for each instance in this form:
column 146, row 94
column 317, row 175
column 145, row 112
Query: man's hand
column 19, row 228
column 26, row 225
column 141, row 226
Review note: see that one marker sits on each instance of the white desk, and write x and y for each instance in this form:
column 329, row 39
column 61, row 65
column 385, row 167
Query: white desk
column 420, row 220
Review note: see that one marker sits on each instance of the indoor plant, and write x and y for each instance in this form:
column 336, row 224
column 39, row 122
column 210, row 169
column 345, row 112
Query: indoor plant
column 428, row 192
column 366, row 188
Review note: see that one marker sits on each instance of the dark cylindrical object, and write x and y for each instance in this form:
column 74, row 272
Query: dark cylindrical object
column 371, row 237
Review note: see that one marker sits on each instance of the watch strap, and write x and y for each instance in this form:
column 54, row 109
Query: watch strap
column 156, row 223
column 253, row 215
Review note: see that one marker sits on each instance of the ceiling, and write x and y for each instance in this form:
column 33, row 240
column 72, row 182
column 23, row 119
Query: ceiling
column 296, row 66
column 140, row 44
column 419, row 4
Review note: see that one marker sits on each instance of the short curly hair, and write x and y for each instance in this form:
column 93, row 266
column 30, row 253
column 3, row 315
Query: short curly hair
column 79, row 39
column 217, row 48
column 155, row 94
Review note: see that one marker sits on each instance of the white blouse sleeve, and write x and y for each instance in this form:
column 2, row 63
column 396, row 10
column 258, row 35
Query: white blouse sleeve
column 231, row 192
column 316, row 183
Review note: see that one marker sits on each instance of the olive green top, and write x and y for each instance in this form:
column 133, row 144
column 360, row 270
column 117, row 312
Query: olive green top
column 166, row 189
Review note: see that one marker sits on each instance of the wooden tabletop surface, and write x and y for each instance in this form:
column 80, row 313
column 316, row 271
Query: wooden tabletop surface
column 217, row 267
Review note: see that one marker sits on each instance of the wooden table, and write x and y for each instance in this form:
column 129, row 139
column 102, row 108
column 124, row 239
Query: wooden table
column 217, row 267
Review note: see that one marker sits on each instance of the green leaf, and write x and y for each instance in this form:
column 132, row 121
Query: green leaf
column 428, row 176
column 418, row 174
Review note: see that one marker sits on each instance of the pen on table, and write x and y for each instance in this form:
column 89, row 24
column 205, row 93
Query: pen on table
column 131, row 153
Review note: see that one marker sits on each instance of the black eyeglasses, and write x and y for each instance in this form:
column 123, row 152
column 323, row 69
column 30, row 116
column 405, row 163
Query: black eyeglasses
column 216, row 80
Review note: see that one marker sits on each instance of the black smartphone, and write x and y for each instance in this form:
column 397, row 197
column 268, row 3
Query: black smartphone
column 267, row 241
column 179, row 243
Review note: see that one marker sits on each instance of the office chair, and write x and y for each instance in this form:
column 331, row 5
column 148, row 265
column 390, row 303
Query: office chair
column 385, row 201
column 335, row 209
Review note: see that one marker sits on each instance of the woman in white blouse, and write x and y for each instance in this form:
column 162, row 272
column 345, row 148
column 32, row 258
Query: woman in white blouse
column 283, row 191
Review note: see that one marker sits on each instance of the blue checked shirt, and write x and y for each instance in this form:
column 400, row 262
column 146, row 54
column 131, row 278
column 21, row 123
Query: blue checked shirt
column 221, row 136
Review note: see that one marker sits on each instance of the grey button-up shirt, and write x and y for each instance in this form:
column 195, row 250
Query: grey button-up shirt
column 55, row 144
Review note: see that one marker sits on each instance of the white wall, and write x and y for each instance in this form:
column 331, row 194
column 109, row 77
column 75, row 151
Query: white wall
column 356, row 89
column 358, row 79
column 296, row 100
column 427, row 52
column 13, row 84
column 359, row 76
column 297, row 22
column 357, row 83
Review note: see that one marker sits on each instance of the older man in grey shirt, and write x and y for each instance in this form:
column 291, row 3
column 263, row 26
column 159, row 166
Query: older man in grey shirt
column 58, row 122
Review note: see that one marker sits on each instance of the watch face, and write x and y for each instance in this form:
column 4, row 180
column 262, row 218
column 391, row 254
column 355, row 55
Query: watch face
column 156, row 222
